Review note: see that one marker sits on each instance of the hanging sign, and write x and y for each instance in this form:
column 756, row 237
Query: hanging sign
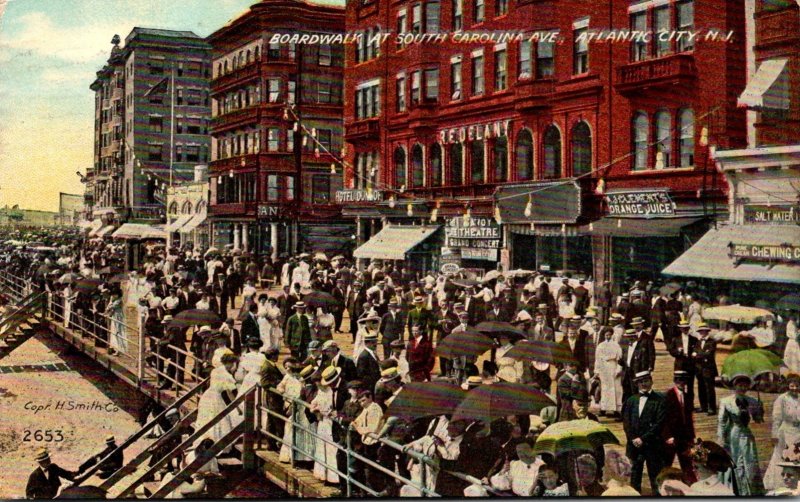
column 640, row 203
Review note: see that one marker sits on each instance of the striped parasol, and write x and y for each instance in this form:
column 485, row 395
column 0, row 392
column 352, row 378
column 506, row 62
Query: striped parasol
column 425, row 399
column 573, row 435
column 464, row 343
column 499, row 400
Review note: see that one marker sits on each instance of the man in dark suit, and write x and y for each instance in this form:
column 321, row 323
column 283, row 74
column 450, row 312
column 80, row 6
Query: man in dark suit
column 705, row 368
column 108, row 467
column 638, row 309
column 44, row 482
column 576, row 345
column 444, row 321
column 250, row 323
column 380, row 296
column 271, row 375
column 419, row 355
column 540, row 330
column 581, row 298
column 235, row 340
column 339, row 293
column 418, row 316
column 496, row 313
column 334, row 357
column 683, row 344
column 285, row 302
column 639, row 355
column 679, row 426
column 175, row 361
column 643, row 416
column 392, row 327
column 331, row 376
column 368, row 367
column 298, row 332
column 356, row 298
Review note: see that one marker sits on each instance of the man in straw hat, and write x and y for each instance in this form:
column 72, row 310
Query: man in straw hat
column 643, row 418
column 44, row 482
column 682, row 346
column 392, row 327
column 108, row 467
column 638, row 356
column 333, row 356
column 298, row 332
column 419, row 316
column 705, row 368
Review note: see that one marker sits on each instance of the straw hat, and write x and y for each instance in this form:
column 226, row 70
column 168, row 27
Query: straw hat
column 330, row 375
column 389, row 374
column 42, row 455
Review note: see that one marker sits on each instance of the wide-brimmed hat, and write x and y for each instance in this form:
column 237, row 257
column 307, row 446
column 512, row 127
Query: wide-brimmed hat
column 616, row 316
column 711, row 455
column 330, row 344
column 637, row 321
column 419, row 299
column 523, row 316
column 42, row 455
column 314, row 344
column 299, row 305
column 204, row 329
column 703, row 327
column 371, row 337
column 397, row 344
column 473, row 381
column 642, row 375
column 307, row 371
column 389, row 374
column 542, row 306
column 630, row 332
column 167, row 318
column 330, row 375
column 683, row 323
column 372, row 317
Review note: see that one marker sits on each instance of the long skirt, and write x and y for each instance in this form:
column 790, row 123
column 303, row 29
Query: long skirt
column 325, row 452
column 302, row 440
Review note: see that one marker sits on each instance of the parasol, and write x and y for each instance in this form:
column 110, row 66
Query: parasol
column 752, row 363
column 424, row 399
column 789, row 302
column 669, row 288
column 195, row 317
column 541, row 350
column 465, row 283
column 492, row 274
column 738, row 314
column 464, row 343
column 573, row 435
column 499, row 400
column 497, row 328
column 316, row 299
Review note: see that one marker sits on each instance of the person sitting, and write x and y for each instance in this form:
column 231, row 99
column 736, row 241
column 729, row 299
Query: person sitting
column 110, row 465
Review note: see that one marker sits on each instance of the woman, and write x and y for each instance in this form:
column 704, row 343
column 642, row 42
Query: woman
column 248, row 298
column 119, row 342
column 264, row 326
column 785, row 426
column 790, row 473
column 733, row 431
column 617, row 474
column 508, row 369
column 566, row 307
column 291, row 387
column 69, row 297
column 275, row 330
column 220, row 393
column 323, row 325
column 710, row 461
column 249, row 372
column 608, row 370
column 324, row 450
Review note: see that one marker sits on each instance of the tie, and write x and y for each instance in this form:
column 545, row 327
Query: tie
column 680, row 398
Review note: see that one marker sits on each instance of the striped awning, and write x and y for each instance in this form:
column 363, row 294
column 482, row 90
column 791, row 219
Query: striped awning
column 769, row 87
column 194, row 222
column 394, row 241
column 105, row 231
column 133, row 231
column 94, row 226
column 178, row 223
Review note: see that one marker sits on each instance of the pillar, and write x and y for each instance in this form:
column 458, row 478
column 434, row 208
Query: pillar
column 245, row 237
column 236, row 241
column 273, row 240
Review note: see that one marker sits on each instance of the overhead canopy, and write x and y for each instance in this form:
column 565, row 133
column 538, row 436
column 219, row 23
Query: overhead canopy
column 193, row 223
column 639, row 227
column 94, row 226
column 743, row 253
column 177, row 224
column 394, row 241
column 553, row 202
column 769, row 87
column 134, row 231
column 104, row 231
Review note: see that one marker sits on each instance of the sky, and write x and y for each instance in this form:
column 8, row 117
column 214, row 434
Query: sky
column 49, row 53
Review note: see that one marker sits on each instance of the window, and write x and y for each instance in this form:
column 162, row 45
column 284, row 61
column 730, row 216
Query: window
column 552, row 153
column 524, row 154
column 685, row 18
column 640, row 133
column 324, row 92
column 289, row 140
column 524, row 68
column 477, row 75
column 458, row 15
column 156, row 124
column 272, row 139
column 324, row 57
column 545, row 61
column 417, row 166
column 272, row 187
column 416, row 19
column 436, row 165
column 367, row 102
column 399, row 167
column 500, row 71
column 321, row 189
column 292, row 52
column 274, row 51
column 274, row 86
column 500, row 159
column 455, row 79
column 581, row 149
column 661, row 24
column 324, row 138
column 291, row 90
column 402, row 26
column 686, row 134
column 415, row 87
column 580, row 54
column 400, row 93
column 663, row 139
column 456, row 158
column 477, row 161
column 432, row 17
column 432, row 84
column 771, row 5
column 501, row 7
column 289, row 187
column 155, row 151
column 480, row 11
column 639, row 47
column 192, row 153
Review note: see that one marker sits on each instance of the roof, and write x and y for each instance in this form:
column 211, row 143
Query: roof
column 394, row 241
column 161, row 33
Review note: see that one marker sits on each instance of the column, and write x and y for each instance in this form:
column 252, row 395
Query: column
column 273, row 240
column 236, row 241
column 359, row 241
column 245, row 237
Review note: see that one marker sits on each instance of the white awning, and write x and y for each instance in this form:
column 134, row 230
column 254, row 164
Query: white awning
column 769, row 87
column 710, row 256
column 94, row 226
column 133, row 231
column 84, row 224
column 105, row 231
column 175, row 225
column 193, row 223
column 394, row 241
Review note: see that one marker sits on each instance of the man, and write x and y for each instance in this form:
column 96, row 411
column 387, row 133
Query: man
column 705, row 368
column 582, row 298
column 355, row 306
column 339, row 293
column 173, row 304
column 297, row 332
column 234, row 335
column 174, row 360
column 540, row 330
column 392, row 327
column 44, row 482
column 639, row 356
column 271, row 376
column 367, row 423
column 602, row 300
column 334, row 357
column 568, row 392
column 285, row 302
column 109, row 466
column 420, row 356
column 638, row 310
column 643, row 416
column 445, row 322
column 575, row 345
column 419, row 317
column 617, row 323
column 368, row 367
column 380, row 295
column 250, row 323
column 496, row 313
column 679, row 426
column 683, row 344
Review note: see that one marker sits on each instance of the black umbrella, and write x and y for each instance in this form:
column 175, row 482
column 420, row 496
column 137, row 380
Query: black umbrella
column 545, row 351
column 195, row 317
column 464, row 343
column 499, row 400
column 497, row 328
column 425, row 399
column 317, row 299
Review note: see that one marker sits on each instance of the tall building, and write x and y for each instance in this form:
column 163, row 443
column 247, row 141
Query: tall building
column 147, row 131
column 561, row 145
column 272, row 187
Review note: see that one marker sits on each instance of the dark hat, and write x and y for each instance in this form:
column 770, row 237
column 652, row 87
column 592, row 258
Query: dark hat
column 356, row 384
column 254, row 343
column 711, row 455
column 680, row 375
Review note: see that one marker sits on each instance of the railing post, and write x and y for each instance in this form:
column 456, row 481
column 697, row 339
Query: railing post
column 141, row 352
column 348, row 451
column 294, row 434
column 423, row 476
column 248, row 455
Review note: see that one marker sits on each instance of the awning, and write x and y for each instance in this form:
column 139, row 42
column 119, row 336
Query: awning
column 105, row 231
column 94, row 226
column 711, row 256
column 394, row 241
column 769, row 87
column 638, row 227
column 545, row 202
column 139, row 231
column 193, row 223
column 84, row 224
column 181, row 221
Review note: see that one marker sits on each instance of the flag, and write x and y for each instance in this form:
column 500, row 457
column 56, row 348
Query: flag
column 159, row 88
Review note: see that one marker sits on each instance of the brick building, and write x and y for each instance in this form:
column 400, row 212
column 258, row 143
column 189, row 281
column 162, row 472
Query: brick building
column 271, row 187
column 549, row 134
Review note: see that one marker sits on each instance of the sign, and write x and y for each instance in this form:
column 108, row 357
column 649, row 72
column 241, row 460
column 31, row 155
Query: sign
column 640, row 203
column 477, row 233
column 449, row 268
column 772, row 215
column 358, row 195
column 265, row 211
column 479, row 254
column 475, row 132
column 765, row 252
column 547, row 203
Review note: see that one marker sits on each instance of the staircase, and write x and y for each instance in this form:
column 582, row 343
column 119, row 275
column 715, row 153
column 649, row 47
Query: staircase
column 19, row 322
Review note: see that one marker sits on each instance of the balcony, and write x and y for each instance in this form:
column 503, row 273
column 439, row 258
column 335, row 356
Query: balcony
column 363, row 129
column 234, row 209
column 665, row 71
column 454, row 191
column 781, row 27
column 534, row 93
column 223, row 83
column 236, row 118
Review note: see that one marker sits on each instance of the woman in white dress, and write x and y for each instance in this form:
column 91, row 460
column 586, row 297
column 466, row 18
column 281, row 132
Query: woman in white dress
column 324, row 451
column 323, row 325
column 291, row 388
column 368, row 324
column 275, row 329
column 248, row 374
column 69, row 297
column 117, row 338
column 608, row 370
column 711, row 461
column 264, row 326
column 508, row 369
column 785, row 428
column 221, row 391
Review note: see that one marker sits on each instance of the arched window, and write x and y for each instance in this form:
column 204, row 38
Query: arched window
column 477, row 162
column 524, row 153
column 201, row 207
column 500, row 159
column 436, row 165
column 552, row 153
column 640, row 130
column 686, row 133
column 399, row 167
column 249, row 56
column 187, row 208
column 664, row 139
column 173, row 208
column 581, row 149
column 456, row 157
column 417, row 166
column 258, row 53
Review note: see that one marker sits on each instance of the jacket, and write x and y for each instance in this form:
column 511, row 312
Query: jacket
column 297, row 332
column 420, row 359
column 705, row 364
column 648, row 426
column 392, row 327
column 679, row 423
column 368, row 369
column 46, row 487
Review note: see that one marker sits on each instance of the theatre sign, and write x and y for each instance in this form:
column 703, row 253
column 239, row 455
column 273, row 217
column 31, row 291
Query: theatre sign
column 476, row 238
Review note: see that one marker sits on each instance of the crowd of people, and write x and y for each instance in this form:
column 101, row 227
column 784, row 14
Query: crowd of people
column 287, row 334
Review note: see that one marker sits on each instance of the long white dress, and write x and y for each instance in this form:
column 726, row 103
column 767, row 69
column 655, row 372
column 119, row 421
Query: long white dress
column 786, row 428
column 508, row 369
column 117, row 339
column 606, row 366
column 211, row 404
column 248, row 372
column 264, row 326
column 275, row 330
column 324, row 451
column 791, row 356
column 291, row 387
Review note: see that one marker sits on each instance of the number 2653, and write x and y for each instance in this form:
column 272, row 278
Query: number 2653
column 43, row 436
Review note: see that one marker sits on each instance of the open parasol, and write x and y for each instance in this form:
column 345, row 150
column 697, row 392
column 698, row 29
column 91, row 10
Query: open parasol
column 573, row 435
column 545, row 351
column 425, row 399
column 492, row 274
column 738, row 314
column 499, row 400
column 752, row 363
column 464, row 343
column 316, row 299
column 497, row 328
column 195, row 317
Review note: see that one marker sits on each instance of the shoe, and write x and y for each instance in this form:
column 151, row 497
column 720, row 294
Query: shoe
column 700, row 410
column 712, row 412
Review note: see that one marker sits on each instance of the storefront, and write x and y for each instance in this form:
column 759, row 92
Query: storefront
column 416, row 246
column 476, row 240
column 137, row 238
